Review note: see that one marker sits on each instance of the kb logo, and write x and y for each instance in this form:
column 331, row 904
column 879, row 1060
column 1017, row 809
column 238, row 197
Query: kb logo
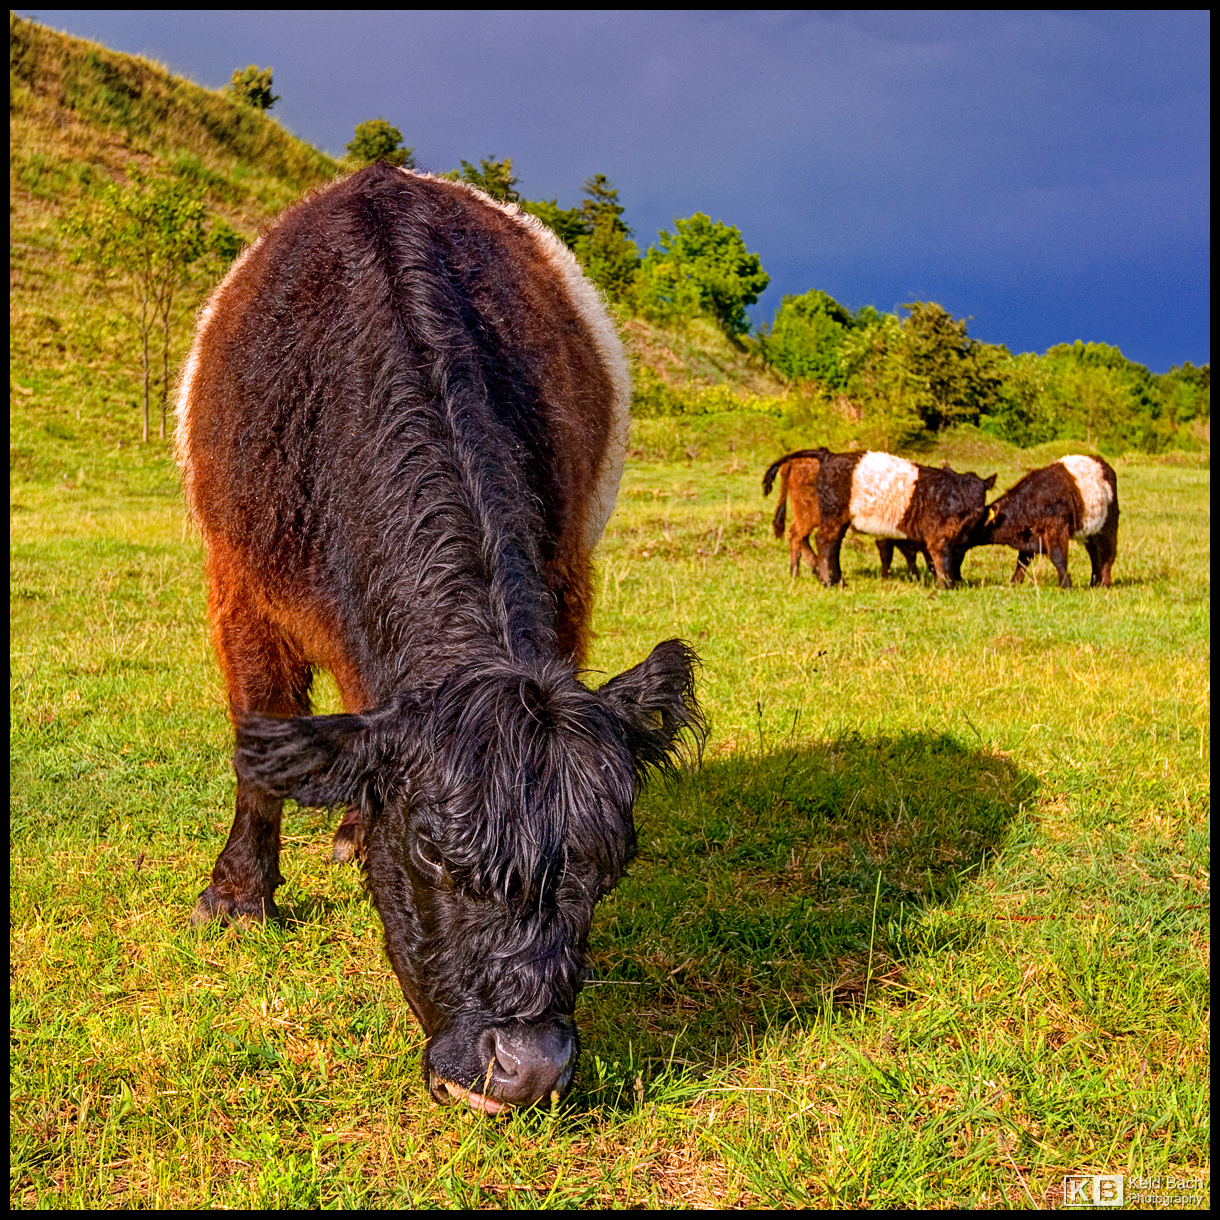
column 1093, row 1190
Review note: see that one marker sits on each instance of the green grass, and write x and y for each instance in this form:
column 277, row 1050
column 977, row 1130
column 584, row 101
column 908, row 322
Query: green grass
column 928, row 928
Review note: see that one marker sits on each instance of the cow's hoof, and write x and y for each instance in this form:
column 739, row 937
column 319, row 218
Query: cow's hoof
column 226, row 909
column 348, row 844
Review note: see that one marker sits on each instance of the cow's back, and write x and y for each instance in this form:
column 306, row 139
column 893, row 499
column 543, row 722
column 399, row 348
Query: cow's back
column 400, row 391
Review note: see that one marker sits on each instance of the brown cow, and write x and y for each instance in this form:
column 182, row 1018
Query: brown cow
column 798, row 474
column 1075, row 497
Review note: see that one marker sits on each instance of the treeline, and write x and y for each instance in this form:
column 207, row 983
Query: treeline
column 892, row 378
column 922, row 372
column 900, row 377
column 702, row 268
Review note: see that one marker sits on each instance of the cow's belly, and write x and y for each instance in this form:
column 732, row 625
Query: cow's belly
column 878, row 525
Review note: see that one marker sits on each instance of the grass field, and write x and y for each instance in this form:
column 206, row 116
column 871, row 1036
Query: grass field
column 928, row 928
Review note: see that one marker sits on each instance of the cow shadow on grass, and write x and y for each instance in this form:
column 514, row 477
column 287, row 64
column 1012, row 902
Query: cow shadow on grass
column 771, row 888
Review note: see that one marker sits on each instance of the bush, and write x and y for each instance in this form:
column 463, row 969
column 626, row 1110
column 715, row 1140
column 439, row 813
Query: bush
column 653, row 398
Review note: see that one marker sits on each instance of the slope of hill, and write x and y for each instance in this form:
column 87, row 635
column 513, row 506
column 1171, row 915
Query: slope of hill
column 81, row 116
column 700, row 354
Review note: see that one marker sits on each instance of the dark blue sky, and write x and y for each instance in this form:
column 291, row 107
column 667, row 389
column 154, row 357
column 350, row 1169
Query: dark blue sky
column 1045, row 173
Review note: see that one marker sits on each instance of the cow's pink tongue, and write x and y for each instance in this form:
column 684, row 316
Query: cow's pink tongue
column 476, row 1101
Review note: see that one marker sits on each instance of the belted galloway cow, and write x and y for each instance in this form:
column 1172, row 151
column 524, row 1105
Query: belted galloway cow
column 920, row 507
column 1075, row 497
column 401, row 427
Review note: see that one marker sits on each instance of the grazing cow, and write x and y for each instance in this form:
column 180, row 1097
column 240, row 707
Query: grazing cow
column 1075, row 497
column 402, row 426
column 798, row 474
column 889, row 497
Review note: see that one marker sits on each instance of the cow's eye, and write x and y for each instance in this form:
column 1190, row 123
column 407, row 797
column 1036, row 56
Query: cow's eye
column 429, row 855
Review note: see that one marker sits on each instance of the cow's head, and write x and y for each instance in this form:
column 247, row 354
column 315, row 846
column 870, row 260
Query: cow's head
column 496, row 811
column 966, row 503
column 981, row 529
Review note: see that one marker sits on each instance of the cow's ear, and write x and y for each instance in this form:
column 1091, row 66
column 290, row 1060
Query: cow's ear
column 317, row 760
column 655, row 701
column 989, row 483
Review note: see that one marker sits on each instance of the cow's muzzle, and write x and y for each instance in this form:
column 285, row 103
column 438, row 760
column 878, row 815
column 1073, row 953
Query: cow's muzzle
column 518, row 1064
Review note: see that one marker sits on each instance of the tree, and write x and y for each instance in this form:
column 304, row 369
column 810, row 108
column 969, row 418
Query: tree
column 878, row 379
column 568, row 224
column 494, row 178
column 1186, row 394
column 225, row 243
column 957, row 379
column 594, row 232
column 703, row 266
column 1024, row 413
column 252, row 87
column 376, row 140
column 806, row 336
column 607, row 253
column 148, row 233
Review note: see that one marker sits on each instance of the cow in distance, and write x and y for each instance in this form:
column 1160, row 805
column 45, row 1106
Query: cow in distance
column 1075, row 497
column 798, row 474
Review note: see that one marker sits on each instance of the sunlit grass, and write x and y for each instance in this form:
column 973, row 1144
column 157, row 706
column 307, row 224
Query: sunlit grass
column 928, row 928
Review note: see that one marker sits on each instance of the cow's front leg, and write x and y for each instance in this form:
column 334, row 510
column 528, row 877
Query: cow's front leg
column 247, row 872
column 942, row 564
column 265, row 673
column 1024, row 559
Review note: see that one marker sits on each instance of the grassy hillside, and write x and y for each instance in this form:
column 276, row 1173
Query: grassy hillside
column 81, row 116
column 700, row 354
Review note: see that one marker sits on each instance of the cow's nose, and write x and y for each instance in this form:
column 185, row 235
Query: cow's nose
column 529, row 1062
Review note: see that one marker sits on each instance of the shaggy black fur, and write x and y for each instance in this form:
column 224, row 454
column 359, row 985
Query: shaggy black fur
column 385, row 457
column 496, row 812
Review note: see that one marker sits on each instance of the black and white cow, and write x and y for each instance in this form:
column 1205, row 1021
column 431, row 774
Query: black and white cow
column 798, row 488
